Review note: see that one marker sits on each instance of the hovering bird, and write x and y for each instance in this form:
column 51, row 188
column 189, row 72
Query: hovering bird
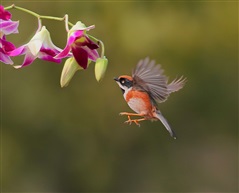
column 144, row 89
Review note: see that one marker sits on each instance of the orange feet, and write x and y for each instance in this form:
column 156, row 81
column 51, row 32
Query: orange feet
column 136, row 121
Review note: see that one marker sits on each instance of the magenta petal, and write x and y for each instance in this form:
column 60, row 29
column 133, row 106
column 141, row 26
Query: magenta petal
column 64, row 52
column 6, row 46
column 8, row 27
column 5, row 58
column 5, row 15
column 77, row 33
column 90, row 44
column 81, row 56
column 71, row 39
column 47, row 57
column 92, row 54
column 29, row 58
column 49, row 51
column 86, row 41
column 18, row 51
column 9, row 47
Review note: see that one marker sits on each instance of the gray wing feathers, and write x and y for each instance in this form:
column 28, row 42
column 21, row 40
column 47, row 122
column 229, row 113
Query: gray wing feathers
column 176, row 84
column 149, row 77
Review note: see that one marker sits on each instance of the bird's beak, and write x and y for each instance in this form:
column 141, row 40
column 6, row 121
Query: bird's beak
column 116, row 79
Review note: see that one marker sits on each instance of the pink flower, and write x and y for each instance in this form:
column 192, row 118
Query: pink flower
column 4, row 15
column 80, row 45
column 5, row 48
column 40, row 46
column 7, row 26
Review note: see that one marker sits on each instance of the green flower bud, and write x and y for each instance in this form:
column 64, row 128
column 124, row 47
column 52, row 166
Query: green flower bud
column 69, row 69
column 100, row 68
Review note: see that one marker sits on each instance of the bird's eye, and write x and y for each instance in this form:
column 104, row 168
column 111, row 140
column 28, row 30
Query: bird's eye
column 125, row 82
column 122, row 80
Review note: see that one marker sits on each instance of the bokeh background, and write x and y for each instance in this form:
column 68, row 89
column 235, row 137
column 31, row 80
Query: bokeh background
column 72, row 139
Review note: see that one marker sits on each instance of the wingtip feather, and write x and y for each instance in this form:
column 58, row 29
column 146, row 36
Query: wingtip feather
column 177, row 84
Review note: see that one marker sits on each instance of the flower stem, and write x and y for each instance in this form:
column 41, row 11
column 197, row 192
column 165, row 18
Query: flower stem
column 37, row 15
column 66, row 23
column 101, row 43
column 22, row 9
column 102, row 49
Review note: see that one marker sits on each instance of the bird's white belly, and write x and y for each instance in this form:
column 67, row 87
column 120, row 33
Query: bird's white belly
column 138, row 105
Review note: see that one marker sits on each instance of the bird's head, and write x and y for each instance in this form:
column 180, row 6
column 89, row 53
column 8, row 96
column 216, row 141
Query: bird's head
column 125, row 82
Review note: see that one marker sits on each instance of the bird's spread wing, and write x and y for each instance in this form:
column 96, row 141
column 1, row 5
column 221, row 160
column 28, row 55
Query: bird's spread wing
column 176, row 84
column 149, row 77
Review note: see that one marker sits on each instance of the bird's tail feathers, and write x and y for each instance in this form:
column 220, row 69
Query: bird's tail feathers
column 159, row 116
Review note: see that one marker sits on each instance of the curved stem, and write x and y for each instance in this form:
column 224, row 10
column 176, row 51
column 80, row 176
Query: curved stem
column 66, row 23
column 39, row 25
column 37, row 15
column 102, row 49
column 22, row 9
column 51, row 17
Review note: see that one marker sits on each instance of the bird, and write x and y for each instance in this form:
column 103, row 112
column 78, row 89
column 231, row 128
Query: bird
column 145, row 89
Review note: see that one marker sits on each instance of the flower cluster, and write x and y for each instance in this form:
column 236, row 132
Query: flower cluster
column 80, row 50
column 7, row 26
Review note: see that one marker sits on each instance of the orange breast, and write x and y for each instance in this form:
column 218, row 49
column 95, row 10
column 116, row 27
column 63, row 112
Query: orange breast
column 139, row 101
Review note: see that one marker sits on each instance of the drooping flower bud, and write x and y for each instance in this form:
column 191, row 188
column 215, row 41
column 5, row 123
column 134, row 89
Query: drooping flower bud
column 100, row 68
column 69, row 69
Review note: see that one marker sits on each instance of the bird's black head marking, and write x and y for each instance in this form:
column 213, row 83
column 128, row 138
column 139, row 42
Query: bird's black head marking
column 125, row 82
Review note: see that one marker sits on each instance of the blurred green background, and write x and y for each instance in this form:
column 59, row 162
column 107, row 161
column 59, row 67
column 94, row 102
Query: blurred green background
column 73, row 139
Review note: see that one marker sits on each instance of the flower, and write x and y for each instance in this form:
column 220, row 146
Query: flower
column 5, row 48
column 81, row 46
column 4, row 15
column 7, row 26
column 40, row 46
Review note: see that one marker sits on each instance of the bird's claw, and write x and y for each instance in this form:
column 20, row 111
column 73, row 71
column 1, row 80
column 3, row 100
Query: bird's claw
column 130, row 121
